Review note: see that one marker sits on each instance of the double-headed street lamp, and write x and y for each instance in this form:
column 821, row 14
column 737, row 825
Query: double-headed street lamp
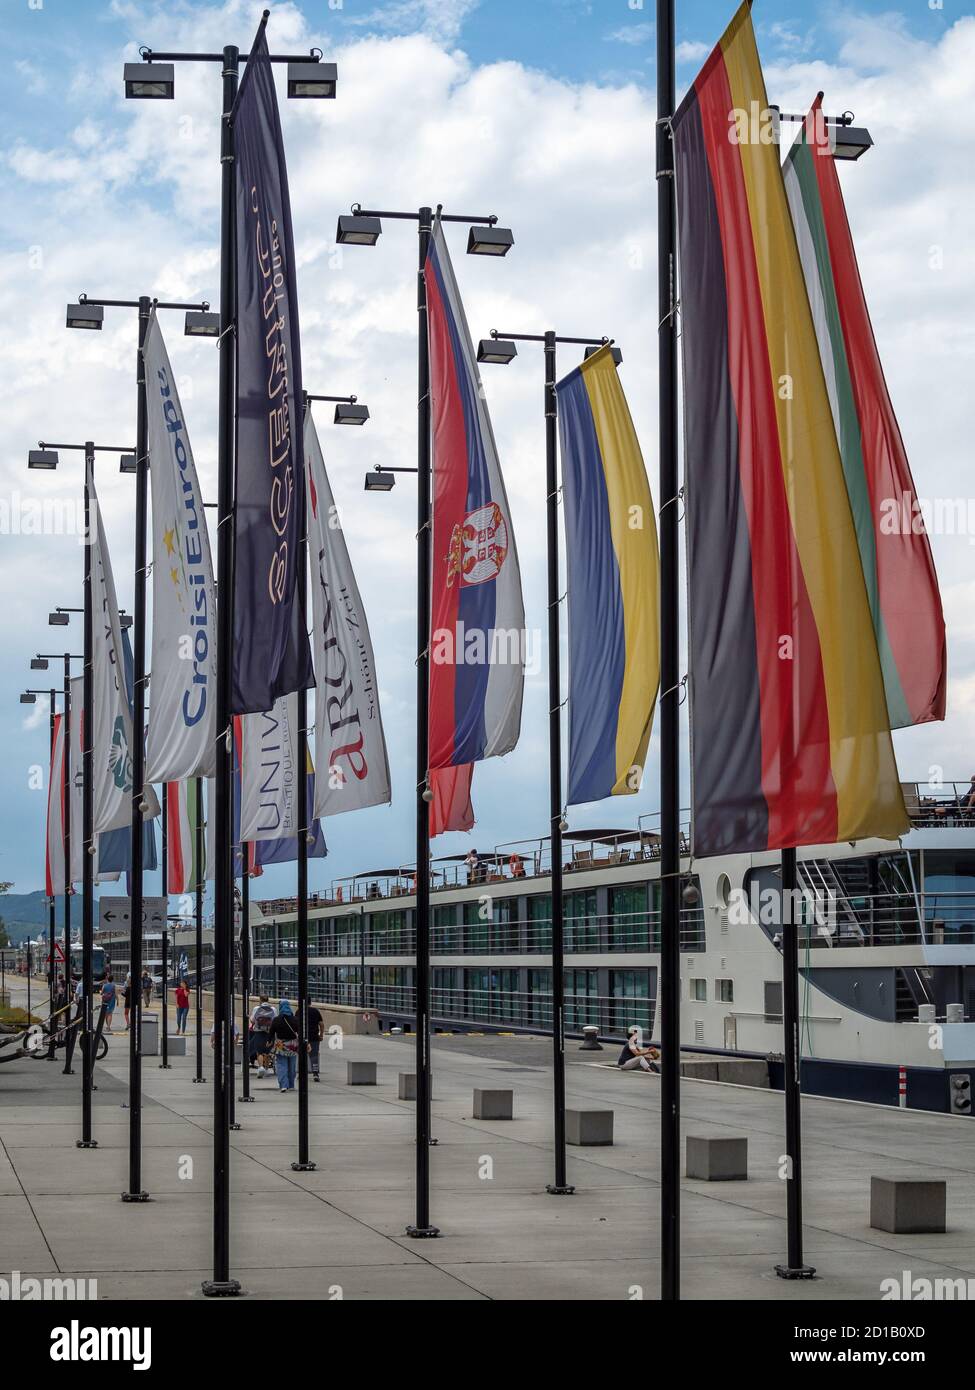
column 89, row 314
column 363, row 228
column 46, row 456
column 154, row 79
column 500, row 348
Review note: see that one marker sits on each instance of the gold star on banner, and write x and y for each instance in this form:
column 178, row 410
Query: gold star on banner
column 168, row 541
column 174, row 576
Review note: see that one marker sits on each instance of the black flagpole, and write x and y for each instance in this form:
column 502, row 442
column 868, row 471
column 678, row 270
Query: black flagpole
column 88, row 832
column 304, row 1164
column 199, row 851
column 669, row 988
column 792, row 1043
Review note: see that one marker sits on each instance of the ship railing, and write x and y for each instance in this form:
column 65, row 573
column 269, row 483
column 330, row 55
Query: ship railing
column 945, row 805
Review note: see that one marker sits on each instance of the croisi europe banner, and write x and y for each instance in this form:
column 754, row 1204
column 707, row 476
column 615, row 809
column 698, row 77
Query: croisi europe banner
column 349, row 742
column 613, row 592
column 790, row 739
column 271, row 654
column 184, row 648
column 477, row 614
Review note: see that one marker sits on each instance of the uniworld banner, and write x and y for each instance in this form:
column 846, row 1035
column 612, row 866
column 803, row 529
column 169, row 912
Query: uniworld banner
column 184, row 648
column 350, row 748
column 271, row 655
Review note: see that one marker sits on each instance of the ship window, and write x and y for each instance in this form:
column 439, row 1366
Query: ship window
column 699, row 990
column 724, row 990
column 773, row 1001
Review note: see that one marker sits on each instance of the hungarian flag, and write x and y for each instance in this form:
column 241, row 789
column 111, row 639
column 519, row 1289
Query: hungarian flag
column 182, row 869
column 790, row 734
column 451, row 807
column 905, row 602
column 477, row 613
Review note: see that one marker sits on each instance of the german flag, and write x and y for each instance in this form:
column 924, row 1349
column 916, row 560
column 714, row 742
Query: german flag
column 790, row 735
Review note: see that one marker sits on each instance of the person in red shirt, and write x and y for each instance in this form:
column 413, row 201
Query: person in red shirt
column 182, row 1006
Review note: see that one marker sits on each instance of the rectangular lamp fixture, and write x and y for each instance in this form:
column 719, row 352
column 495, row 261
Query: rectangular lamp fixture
column 501, row 350
column 58, row 619
column 358, row 231
column 85, row 316
column 349, row 414
column 125, row 620
column 617, row 352
column 38, row 663
column 127, row 464
column 28, row 699
column 312, row 79
column 849, row 141
column 379, row 481
column 199, row 324
column 42, row 458
column 150, row 81
column 490, row 241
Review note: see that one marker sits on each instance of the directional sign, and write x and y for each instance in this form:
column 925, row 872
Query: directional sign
column 115, row 914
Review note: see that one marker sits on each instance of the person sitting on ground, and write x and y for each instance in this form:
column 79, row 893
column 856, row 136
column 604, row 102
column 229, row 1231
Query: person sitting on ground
column 262, row 1016
column 634, row 1056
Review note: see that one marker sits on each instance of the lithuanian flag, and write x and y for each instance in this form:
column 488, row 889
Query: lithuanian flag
column 790, row 735
column 905, row 603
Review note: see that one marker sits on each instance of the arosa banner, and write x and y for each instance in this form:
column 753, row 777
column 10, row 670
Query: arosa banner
column 477, row 640
column 349, row 743
column 271, row 655
column 181, row 739
column 111, row 719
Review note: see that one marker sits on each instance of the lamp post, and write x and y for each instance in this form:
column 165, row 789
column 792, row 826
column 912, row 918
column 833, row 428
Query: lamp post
column 65, row 692
column 348, row 411
column 80, row 316
column 500, row 348
column 46, row 456
column 363, row 228
column 154, row 79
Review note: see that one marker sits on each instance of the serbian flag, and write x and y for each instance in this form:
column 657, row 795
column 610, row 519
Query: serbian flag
column 905, row 602
column 182, row 869
column 790, row 735
column 613, row 594
column 451, row 807
column 477, row 613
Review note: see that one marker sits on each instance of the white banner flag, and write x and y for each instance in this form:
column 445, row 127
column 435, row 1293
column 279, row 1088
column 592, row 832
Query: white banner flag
column 270, row 785
column 350, row 748
column 111, row 721
column 184, row 645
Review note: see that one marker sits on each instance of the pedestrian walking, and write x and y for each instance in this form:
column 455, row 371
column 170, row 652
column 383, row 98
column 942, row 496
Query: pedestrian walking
column 182, row 1006
column 316, row 1031
column 146, row 988
column 262, row 1017
column 109, row 1000
column 284, row 1037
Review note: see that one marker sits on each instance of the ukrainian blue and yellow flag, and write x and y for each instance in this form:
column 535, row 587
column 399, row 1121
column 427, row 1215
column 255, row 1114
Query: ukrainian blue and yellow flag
column 613, row 570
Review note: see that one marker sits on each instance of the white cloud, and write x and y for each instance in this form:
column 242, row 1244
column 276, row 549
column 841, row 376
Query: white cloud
column 692, row 51
column 633, row 34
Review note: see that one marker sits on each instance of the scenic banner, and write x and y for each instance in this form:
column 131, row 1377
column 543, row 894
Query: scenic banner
column 271, row 654
column 112, row 719
column 905, row 601
column 790, row 736
column 613, row 584
column 184, row 645
column 349, row 742
column 477, row 635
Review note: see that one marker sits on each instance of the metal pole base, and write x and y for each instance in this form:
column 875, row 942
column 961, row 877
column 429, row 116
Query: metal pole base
column 86, row 1143
column 303, row 1167
column 235, row 1125
column 165, row 1066
column 797, row 1272
column 221, row 1288
column 423, row 1232
column 136, row 1197
column 246, row 1100
column 68, row 1071
column 197, row 1080
column 559, row 1190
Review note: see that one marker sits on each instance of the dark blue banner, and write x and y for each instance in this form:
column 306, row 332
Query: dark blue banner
column 271, row 653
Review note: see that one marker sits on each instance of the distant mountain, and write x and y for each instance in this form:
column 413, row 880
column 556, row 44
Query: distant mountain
column 27, row 914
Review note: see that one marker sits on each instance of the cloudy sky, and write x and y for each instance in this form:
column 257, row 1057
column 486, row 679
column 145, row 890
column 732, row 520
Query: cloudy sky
column 538, row 110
